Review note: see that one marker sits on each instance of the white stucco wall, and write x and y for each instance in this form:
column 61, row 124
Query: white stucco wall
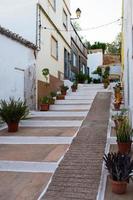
column 94, row 60
column 13, row 55
column 128, row 53
column 44, row 59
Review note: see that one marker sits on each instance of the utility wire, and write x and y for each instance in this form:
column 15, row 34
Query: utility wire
column 87, row 29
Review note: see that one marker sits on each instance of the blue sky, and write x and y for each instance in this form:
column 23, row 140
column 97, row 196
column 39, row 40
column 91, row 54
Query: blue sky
column 98, row 12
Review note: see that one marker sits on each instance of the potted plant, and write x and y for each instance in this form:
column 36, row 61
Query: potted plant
column 44, row 104
column 74, row 87
column 80, row 77
column 119, row 117
column 117, row 93
column 117, row 105
column 106, row 83
column 52, row 98
column 124, row 134
column 120, row 168
column 12, row 112
column 63, row 89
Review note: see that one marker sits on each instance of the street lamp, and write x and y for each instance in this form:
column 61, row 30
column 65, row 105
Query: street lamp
column 78, row 14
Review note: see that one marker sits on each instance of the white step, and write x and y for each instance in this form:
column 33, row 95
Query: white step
column 50, row 123
column 58, row 114
column 34, row 140
column 75, row 101
column 23, row 166
column 69, row 107
column 84, row 93
column 81, row 97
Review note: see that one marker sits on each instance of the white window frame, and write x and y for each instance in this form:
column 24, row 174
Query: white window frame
column 52, row 54
column 53, row 4
column 65, row 19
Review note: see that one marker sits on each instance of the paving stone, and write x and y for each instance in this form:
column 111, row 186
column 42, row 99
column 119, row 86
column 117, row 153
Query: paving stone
column 78, row 175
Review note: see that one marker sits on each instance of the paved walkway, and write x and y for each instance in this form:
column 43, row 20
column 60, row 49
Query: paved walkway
column 30, row 157
column 78, row 175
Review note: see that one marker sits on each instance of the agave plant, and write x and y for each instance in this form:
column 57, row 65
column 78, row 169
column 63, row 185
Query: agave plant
column 120, row 167
column 12, row 112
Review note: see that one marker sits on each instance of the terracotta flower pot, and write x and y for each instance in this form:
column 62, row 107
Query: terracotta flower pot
column 117, row 106
column 63, row 92
column 124, row 148
column 44, row 107
column 60, row 97
column 119, row 187
column 73, row 89
column 12, row 127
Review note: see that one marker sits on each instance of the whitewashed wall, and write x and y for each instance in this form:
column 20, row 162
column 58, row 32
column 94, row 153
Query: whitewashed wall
column 128, row 53
column 15, row 61
column 94, row 60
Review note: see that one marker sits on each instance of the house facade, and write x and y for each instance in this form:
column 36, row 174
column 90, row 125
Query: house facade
column 95, row 59
column 127, row 54
column 47, row 25
column 54, row 43
column 17, row 68
column 78, row 54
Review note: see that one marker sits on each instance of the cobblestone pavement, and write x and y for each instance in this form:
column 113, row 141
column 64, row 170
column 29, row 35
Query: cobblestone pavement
column 78, row 175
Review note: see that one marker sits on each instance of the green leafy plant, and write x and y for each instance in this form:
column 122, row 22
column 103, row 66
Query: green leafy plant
column 45, row 73
column 53, row 94
column 74, row 86
column 13, row 110
column 96, row 81
column 80, row 78
column 64, row 88
column 124, row 132
column 120, row 167
column 44, row 100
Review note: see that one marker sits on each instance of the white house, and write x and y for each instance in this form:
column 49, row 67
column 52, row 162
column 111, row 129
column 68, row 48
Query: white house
column 17, row 68
column 128, row 53
column 46, row 23
column 95, row 59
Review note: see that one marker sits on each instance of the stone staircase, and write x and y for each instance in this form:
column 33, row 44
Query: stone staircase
column 29, row 158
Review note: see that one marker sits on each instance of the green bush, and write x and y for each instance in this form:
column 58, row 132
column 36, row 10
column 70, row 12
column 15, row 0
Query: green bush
column 13, row 110
column 80, row 78
column 96, row 81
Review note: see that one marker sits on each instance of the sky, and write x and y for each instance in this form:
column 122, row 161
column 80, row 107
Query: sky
column 96, row 13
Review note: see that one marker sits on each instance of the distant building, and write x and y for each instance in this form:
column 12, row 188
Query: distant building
column 78, row 54
column 95, row 59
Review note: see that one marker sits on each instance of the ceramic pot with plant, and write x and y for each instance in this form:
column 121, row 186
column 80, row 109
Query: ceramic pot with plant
column 117, row 105
column 124, row 134
column 106, row 83
column 119, row 117
column 12, row 112
column 63, row 89
column 74, row 87
column 44, row 104
column 120, row 169
column 52, row 98
column 60, row 97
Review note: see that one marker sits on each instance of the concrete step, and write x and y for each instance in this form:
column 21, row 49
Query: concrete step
column 69, row 107
column 85, row 93
column 58, row 114
column 74, row 101
column 50, row 123
column 79, row 97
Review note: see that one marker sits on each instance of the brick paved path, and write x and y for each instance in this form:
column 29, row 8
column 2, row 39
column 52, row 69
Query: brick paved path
column 78, row 176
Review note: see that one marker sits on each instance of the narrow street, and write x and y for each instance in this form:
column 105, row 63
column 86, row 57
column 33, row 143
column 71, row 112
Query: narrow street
column 29, row 158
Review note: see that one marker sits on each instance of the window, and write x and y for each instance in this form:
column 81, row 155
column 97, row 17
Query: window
column 53, row 3
column 74, row 60
column 54, row 48
column 64, row 19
